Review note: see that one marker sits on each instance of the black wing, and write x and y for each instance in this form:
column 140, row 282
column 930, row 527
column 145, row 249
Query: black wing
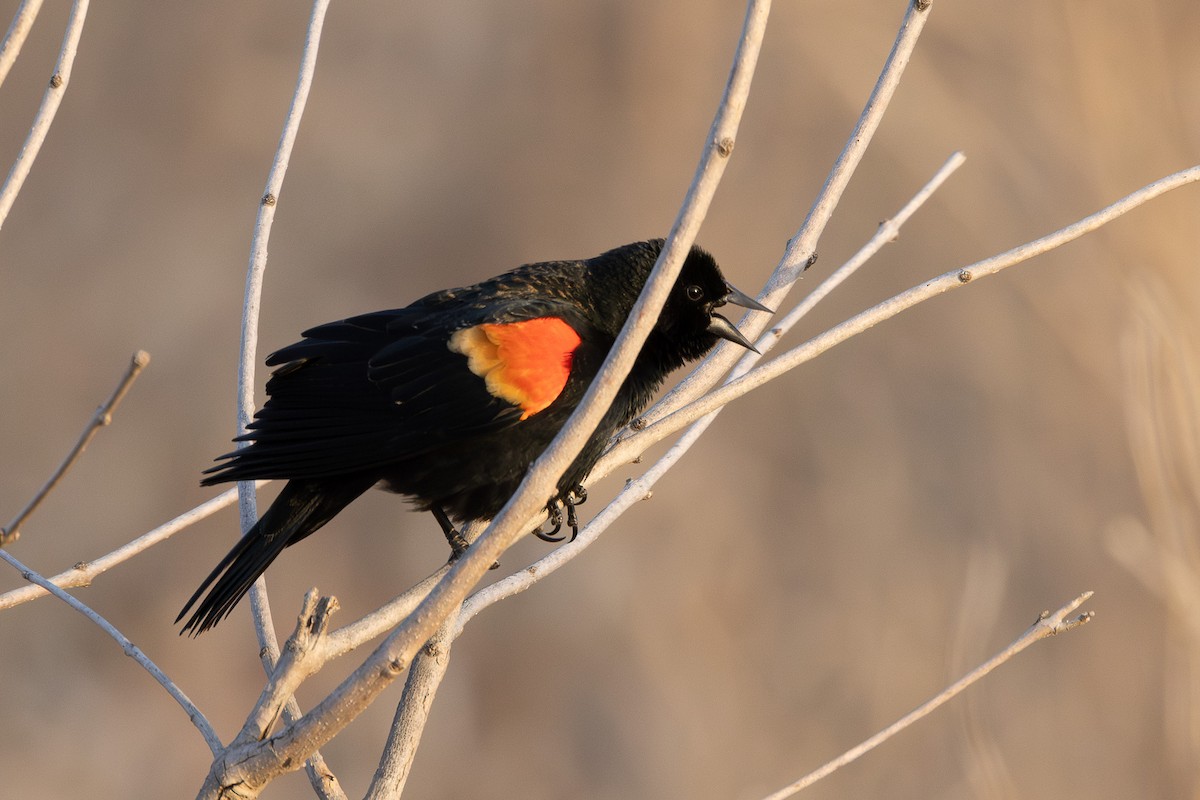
column 374, row 390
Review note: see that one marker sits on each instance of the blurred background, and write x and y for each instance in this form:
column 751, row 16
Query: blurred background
column 842, row 543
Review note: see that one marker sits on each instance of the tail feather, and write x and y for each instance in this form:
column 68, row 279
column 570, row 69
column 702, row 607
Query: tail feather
column 299, row 510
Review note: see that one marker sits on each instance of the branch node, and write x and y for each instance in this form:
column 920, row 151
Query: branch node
column 1054, row 623
column 312, row 623
column 268, row 199
column 56, row 81
column 965, row 276
column 725, row 147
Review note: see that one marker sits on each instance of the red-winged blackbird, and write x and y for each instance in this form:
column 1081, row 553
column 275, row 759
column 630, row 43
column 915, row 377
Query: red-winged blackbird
column 449, row 400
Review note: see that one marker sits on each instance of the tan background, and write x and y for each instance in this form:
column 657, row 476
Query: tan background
column 841, row 544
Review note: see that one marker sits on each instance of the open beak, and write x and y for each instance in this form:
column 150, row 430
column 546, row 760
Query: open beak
column 724, row 329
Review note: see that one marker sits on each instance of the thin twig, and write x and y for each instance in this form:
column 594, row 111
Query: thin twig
column 101, row 418
column 255, row 764
column 82, row 573
column 45, row 115
column 252, row 299
column 18, row 30
column 1046, row 625
column 954, row 279
column 129, row 648
column 382, row 620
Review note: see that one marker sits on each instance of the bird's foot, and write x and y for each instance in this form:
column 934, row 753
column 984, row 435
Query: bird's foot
column 573, row 498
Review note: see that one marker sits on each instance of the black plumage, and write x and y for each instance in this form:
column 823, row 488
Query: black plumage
column 450, row 399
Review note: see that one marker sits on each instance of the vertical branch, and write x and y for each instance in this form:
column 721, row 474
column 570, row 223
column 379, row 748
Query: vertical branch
column 424, row 677
column 322, row 779
column 252, row 300
column 45, row 115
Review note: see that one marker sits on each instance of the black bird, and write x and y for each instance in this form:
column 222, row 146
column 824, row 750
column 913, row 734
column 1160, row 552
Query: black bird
column 449, row 400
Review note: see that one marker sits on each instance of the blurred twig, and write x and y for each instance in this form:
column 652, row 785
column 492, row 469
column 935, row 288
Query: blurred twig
column 45, row 115
column 103, row 416
column 1162, row 413
column 18, row 30
column 1047, row 624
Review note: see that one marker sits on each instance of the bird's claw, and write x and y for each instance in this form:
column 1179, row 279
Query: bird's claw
column 556, row 519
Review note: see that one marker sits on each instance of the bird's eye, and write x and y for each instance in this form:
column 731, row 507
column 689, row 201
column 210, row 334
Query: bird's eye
column 694, row 293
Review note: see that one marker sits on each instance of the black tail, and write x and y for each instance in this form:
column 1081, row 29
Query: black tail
column 300, row 509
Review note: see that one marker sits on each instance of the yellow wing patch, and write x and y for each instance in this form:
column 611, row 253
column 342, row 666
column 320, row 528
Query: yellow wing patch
column 524, row 363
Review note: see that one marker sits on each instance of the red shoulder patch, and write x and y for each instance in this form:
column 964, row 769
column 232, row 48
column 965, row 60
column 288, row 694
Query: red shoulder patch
column 523, row 363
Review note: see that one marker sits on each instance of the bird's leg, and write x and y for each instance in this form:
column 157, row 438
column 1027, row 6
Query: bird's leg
column 556, row 519
column 575, row 497
column 458, row 544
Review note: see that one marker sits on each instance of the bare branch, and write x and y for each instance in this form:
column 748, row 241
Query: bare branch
column 45, row 115
column 252, row 301
column 82, row 573
column 18, row 30
column 1047, row 624
column 382, row 620
column 299, row 659
column 129, row 648
column 319, row 774
column 424, row 676
column 102, row 417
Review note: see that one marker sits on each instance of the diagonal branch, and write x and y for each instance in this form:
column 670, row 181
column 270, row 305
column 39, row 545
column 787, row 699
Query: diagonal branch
column 83, row 572
column 101, row 418
column 1046, row 625
column 130, row 649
